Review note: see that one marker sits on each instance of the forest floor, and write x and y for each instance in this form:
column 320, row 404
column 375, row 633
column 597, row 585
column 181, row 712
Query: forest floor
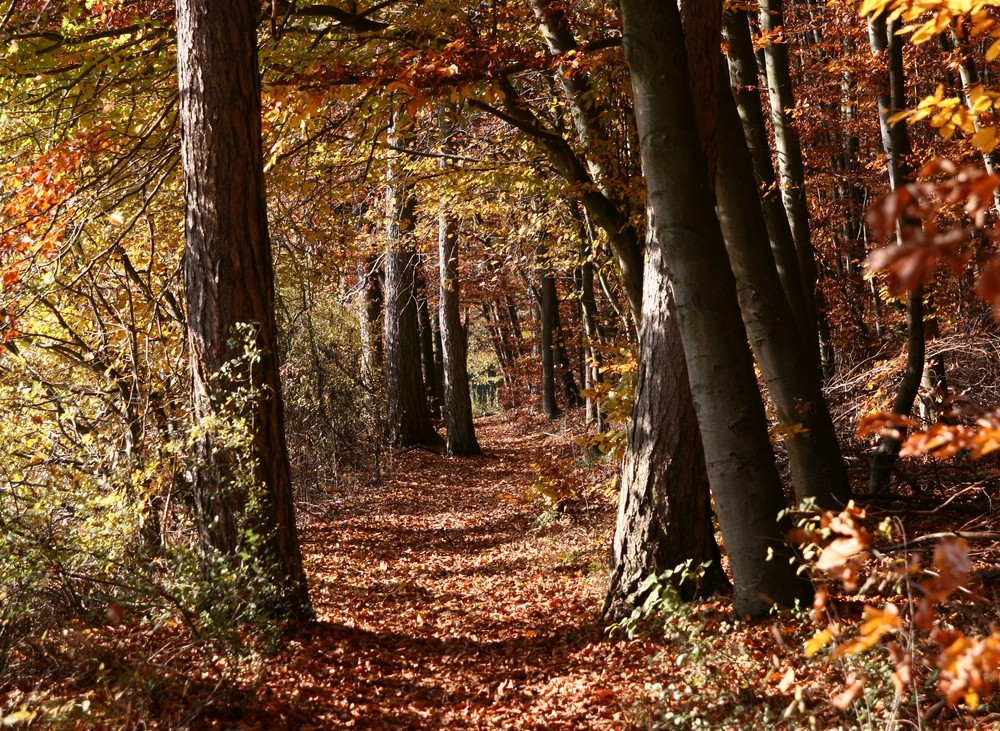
column 443, row 602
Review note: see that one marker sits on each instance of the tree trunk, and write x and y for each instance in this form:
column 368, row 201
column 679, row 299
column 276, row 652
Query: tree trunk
column 425, row 323
column 370, row 319
column 683, row 222
column 461, row 438
column 665, row 511
column 547, row 304
column 786, row 140
column 409, row 417
column 230, row 282
column 817, row 467
column 896, row 142
column 744, row 79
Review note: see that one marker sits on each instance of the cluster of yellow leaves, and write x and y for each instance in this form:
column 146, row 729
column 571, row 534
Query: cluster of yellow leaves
column 950, row 114
column 926, row 19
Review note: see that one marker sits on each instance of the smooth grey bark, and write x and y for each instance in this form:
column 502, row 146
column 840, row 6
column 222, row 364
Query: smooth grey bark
column 816, row 464
column 896, row 143
column 789, row 149
column 461, row 438
column 664, row 509
column 744, row 80
column 229, row 281
column 408, row 413
column 682, row 221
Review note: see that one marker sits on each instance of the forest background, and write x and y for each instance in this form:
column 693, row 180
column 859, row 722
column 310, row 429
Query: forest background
column 498, row 206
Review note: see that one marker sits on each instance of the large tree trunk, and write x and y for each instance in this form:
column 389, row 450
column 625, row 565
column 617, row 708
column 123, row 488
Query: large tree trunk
column 817, row 467
column 665, row 511
column 229, row 282
column 682, row 220
column 409, row 416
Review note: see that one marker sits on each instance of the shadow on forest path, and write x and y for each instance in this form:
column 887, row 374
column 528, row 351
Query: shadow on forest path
column 440, row 607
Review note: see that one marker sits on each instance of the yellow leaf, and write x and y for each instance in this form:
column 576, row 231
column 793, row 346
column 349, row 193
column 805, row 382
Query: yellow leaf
column 985, row 140
column 993, row 51
column 819, row 640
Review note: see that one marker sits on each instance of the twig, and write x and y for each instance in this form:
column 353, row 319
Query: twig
column 931, row 537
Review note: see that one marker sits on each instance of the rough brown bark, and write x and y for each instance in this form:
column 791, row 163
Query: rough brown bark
column 229, row 281
column 664, row 511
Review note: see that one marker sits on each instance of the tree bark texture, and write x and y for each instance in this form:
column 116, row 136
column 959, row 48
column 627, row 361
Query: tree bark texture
column 817, row 466
column 682, row 221
column 409, row 416
column 744, row 79
column 664, row 508
column 461, row 438
column 229, row 280
column 789, row 148
column 896, row 142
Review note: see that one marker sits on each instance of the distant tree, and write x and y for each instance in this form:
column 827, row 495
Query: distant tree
column 409, row 413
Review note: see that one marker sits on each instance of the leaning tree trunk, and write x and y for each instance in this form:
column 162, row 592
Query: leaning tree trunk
column 682, row 221
column 665, row 510
column 817, row 467
column 744, row 79
column 789, row 149
column 230, row 282
column 409, row 416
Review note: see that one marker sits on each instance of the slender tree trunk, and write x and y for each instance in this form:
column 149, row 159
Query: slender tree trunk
column 230, row 281
column 461, row 437
column 786, row 136
column 370, row 318
column 665, row 511
column 547, row 304
column 682, row 221
column 409, row 417
column 817, row 467
column 744, row 79
column 435, row 390
column 896, row 142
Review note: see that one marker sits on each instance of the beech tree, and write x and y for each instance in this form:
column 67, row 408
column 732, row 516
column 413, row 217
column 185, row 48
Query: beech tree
column 229, row 282
column 682, row 221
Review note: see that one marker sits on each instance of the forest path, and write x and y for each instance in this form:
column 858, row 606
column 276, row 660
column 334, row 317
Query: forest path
column 440, row 606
